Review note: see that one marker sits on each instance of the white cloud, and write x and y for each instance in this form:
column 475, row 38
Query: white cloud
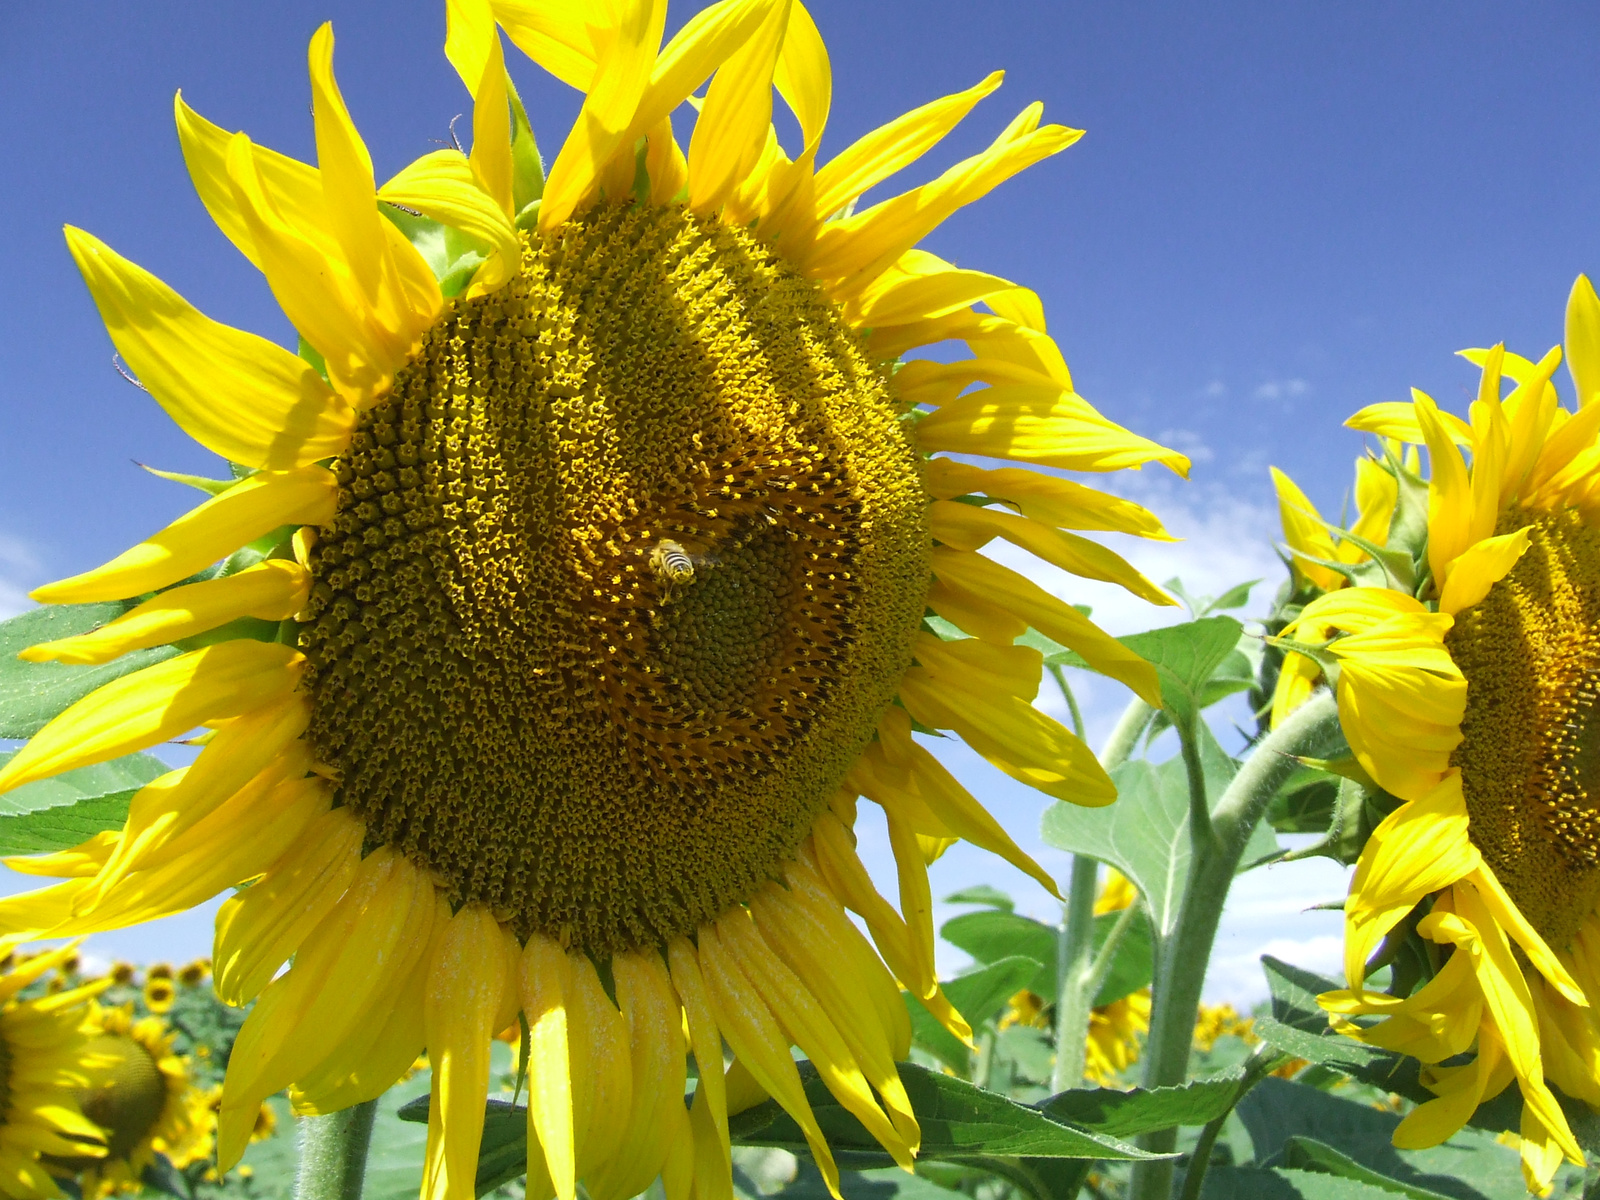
column 1282, row 389
column 1214, row 390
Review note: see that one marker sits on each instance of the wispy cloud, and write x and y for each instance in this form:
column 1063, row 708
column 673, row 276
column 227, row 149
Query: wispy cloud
column 1281, row 389
column 17, row 563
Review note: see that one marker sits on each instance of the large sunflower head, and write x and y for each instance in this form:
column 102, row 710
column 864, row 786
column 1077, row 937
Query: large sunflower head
column 1467, row 686
column 140, row 1096
column 592, row 559
column 46, row 1060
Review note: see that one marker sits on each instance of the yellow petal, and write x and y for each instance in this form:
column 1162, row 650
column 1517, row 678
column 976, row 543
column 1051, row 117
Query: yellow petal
column 545, row 982
column 262, row 926
column 295, row 188
column 733, row 124
column 1398, row 419
column 443, row 185
column 608, row 110
column 233, row 392
column 272, row 591
column 1583, row 339
column 798, row 1011
column 1305, row 534
column 1420, row 848
column 1479, row 568
column 1449, row 493
column 465, row 988
column 248, row 510
column 753, row 1033
column 968, row 527
column 1055, row 619
column 853, row 252
column 151, row 706
column 491, row 130
column 1044, row 498
column 873, row 158
column 1046, row 426
column 559, row 37
column 710, row 1093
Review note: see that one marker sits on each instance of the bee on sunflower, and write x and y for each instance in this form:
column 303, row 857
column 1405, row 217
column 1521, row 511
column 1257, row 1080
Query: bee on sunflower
column 479, row 750
column 1461, row 632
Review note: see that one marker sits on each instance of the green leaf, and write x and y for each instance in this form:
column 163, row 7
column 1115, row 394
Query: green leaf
column 992, row 935
column 54, row 814
column 32, row 693
column 928, row 1035
column 983, row 993
column 959, row 1122
column 451, row 255
column 982, row 893
column 1308, row 1154
column 1185, row 658
column 885, row 1184
column 1145, row 835
column 1471, row 1165
column 1124, row 1114
column 394, row 1162
column 1255, row 1183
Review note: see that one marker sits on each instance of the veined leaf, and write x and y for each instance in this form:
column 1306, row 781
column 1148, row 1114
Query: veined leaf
column 54, row 814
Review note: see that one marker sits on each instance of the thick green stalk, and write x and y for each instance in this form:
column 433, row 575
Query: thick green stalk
column 1073, row 966
column 1077, row 979
column 1182, row 958
column 333, row 1153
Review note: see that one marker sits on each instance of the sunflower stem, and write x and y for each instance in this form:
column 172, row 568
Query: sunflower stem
column 1129, row 729
column 1183, row 955
column 333, row 1153
column 1078, row 972
column 1200, row 830
column 1074, row 954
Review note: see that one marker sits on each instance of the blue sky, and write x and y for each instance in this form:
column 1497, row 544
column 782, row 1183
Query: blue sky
column 1280, row 212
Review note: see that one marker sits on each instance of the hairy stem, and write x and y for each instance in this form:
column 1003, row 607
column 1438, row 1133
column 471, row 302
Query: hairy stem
column 333, row 1153
column 1182, row 958
column 1073, row 967
column 1130, row 728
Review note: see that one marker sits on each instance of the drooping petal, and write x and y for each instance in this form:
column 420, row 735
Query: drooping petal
column 156, row 704
column 545, row 983
column 233, row 392
column 248, row 510
column 273, row 590
column 734, row 122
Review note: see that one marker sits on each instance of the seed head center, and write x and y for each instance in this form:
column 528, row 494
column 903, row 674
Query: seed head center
column 1530, row 750
column 623, row 574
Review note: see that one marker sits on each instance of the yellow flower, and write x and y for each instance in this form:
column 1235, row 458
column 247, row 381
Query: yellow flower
column 139, row 1094
column 159, row 994
column 605, row 602
column 45, row 1061
column 1470, row 696
column 1222, row 1020
column 194, row 974
column 1114, row 1031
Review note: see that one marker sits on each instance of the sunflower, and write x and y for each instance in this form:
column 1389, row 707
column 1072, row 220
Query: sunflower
column 45, row 1060
column 581, row 576
column 140, row 1096
column 1466, row 687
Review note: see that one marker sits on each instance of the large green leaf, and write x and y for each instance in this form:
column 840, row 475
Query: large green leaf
column 1185, row 658
column 394, row 1163
column 1124, row 1114
column 990, row 935
column 54, row 814
column 980, row 995
column 1145, row 834
column 959, row 1122
column 1469, row 1166
column 32, row 693
column 1282, row 1183
column 1308, row 1154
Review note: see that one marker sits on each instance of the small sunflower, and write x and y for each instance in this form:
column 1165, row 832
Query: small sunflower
column 1467, row 687
column 141, row 1097
column 578, row 586
column 45, row 1061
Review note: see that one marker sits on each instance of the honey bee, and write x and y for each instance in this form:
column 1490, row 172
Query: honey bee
column 671, row 562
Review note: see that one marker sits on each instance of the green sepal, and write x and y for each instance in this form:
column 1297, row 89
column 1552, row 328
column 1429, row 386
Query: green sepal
column 452, row 256
column 211, row 487
column 1408, row 528
column 314, row 356
column 527, row 169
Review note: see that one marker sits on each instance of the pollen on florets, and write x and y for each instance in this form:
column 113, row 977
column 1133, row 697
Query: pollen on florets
column 1530, row 749
column 623, row 574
